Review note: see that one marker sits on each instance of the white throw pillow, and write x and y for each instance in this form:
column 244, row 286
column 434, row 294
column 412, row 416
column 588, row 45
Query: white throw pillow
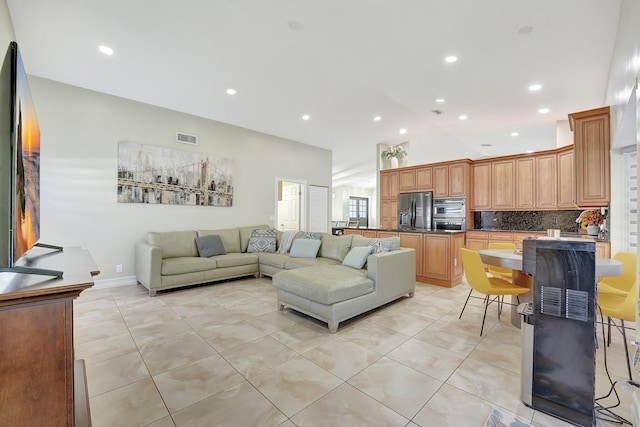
column 357, row 257
column 304, row 248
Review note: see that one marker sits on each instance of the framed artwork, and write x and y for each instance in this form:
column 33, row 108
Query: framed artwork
column 158, row 175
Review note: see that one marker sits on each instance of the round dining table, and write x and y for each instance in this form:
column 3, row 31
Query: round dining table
column 512, row 259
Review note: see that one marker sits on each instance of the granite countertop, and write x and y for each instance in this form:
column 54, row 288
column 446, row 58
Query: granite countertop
column 600, row 238
column 397, row 230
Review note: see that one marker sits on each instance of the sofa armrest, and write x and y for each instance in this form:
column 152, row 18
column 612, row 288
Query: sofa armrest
column 393, row 272
column 148, row 264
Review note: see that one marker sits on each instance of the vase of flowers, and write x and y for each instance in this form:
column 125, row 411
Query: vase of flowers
column 392, row 154
column 591, row 220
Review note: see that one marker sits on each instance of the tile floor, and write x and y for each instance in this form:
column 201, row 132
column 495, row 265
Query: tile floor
column 222, row 354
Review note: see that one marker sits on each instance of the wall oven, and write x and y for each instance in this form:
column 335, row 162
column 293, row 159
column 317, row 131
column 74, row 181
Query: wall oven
column 449, row 214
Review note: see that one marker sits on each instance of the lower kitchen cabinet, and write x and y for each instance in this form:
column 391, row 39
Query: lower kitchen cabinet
column 413, row 241
column 441, row 254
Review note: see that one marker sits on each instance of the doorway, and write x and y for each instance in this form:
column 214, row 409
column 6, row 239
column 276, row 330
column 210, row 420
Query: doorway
column 290, row 197
column 359, row 210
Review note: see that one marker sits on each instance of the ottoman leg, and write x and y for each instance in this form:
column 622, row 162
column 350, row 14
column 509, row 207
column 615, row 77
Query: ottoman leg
column 280, row 306
column 333, row 327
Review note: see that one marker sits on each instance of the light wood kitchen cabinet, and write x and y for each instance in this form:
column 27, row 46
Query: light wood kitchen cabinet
column 440, row 181
column 348, row 231
column 603, row 249
column 526, row 183
column 407, row 180
column 591, row 155
column 389, row 186
column 481, row 186
column 546, row 182
column 369, row 234
column 424, row 179
column 413, row 241
column 566, row 180
column 389, row 213
column 384, row 234
column 503, row 178
column 441, row 253
column 477, row 240
column 458, row 179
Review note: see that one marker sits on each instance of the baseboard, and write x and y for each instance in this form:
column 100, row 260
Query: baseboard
column 113, row 283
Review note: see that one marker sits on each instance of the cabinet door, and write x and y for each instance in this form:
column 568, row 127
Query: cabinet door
column 437, row 257
column 476, row 244
column 389, row 211
column 591, row 151
column 413, row 241
column 603, row 250
column 566, row 180
column 389, row 185
column 458, row 180
column 407, row 180
column 457, row 243
column 424, row 179
column 481, row 186
column 348, row 231
column 384, row 234
column 370, row 234
column 503, row 178
column 440, row 181
column 546, row 196
column 526, row 179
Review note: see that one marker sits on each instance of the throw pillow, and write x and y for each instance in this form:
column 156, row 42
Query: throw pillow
column 262, row 240
column 381, row 245
column 315, row 235
column 357, row 257
column 210, row 245
column 304, row 248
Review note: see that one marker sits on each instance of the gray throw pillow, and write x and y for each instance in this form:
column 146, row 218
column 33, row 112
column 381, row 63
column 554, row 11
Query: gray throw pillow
column 304, row 248
column 210, row 245
column 263, row 240
column 357, row 257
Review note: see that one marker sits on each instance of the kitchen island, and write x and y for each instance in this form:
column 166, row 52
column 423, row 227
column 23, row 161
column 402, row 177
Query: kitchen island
column 437, row 252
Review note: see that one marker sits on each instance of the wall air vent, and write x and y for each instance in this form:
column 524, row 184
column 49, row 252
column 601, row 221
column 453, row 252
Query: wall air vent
column 186, row 138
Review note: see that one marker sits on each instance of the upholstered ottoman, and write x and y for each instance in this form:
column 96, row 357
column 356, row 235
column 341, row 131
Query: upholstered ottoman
column 329, row 293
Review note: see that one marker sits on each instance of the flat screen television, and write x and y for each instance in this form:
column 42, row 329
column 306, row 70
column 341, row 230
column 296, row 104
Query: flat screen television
column 19, row 169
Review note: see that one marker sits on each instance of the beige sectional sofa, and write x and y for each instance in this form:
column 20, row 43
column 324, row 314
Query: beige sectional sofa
column 321, row 287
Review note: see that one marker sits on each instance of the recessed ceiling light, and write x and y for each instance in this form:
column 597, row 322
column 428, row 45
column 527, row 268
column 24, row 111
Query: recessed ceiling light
column 440, row 100
column 451, row 59
column 306, row 117
column 514, row 134
column 231, row 91
column 543, row 110
column 296, row 26
column 403, row 131
column 377, row 118
column 463, row 117
column 529, row 151
column 527, row 29
column 106, row 50
column 535, row 87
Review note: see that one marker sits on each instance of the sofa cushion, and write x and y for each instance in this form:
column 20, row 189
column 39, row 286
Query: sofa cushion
column 324, row 284
column 293, row 263
column 210, row 245
column 276, row 260
column 335, row 247
column 262, row 240
column 305, row 248
column 181, row 265
column 245, row 235
column 314, row 235
column 230, row 238
column 357, row 257
column 174, row 243
column 365, row 241
column 235, row 260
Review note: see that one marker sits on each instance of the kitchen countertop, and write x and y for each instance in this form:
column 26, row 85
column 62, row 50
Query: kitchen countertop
column 601, row 238
column 397, row 230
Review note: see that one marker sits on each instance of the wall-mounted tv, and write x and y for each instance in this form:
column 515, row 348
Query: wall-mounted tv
column 19, row 168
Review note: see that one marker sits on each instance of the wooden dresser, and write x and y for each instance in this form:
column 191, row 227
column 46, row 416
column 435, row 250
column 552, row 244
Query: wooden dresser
column 37, row 363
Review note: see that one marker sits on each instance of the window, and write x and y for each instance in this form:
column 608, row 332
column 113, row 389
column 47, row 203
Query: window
column 359, row 210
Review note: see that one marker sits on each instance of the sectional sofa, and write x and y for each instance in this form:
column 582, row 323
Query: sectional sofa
column 328, row 286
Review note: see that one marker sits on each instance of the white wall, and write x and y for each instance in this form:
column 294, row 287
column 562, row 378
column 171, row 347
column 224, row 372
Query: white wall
column 6, row 28
column 340, row 205
column 80, row 131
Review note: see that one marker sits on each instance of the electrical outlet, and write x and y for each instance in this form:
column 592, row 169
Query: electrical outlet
column 118, row 268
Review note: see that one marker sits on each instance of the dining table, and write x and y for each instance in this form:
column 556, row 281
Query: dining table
column 512, row 259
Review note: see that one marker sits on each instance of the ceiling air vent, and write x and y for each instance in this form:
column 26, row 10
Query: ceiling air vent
column 436, row 111
column 186, row 138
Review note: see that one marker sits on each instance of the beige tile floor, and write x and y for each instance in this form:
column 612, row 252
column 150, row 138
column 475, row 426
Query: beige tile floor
column 224, row 355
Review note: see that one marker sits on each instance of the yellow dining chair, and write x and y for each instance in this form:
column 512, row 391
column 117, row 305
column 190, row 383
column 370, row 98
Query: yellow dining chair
column 501, row 272
column 620, row 284
column 622, row 307
column 480, row 282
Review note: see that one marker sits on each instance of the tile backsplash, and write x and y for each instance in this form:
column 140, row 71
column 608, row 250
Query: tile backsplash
column 527, row 220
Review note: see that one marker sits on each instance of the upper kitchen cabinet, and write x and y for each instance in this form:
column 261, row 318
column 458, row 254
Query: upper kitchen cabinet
column 566, row 179
column 441, row 181
column 389, row 187
column 481, row 186
column 503, row 177
column 591, row 155
column 451, row 179
column 424, row 178
column 407, row 179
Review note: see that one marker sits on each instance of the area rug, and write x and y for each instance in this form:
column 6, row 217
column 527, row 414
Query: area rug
column 497, row 418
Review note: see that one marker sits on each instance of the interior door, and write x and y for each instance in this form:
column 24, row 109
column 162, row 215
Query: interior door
column 289, row 207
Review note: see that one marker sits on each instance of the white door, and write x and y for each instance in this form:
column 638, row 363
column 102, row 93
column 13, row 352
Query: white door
column 289, row 207
column 318, row 208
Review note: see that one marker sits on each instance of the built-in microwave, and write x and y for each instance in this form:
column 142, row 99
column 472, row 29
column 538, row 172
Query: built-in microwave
column 448, row 208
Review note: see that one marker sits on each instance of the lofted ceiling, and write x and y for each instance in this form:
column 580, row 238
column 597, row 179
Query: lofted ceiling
column 342, row 63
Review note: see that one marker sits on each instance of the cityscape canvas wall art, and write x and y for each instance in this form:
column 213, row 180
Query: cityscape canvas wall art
column 158, row 175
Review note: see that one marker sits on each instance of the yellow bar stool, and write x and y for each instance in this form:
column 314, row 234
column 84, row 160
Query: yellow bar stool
column 621, row 307
column 501, row 272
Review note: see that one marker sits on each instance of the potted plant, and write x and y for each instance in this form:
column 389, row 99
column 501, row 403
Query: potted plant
column 393, row 152
column 590, row 220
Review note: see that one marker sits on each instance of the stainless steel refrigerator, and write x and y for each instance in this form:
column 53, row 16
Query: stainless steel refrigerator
column 564, row 335
column 414, row 211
